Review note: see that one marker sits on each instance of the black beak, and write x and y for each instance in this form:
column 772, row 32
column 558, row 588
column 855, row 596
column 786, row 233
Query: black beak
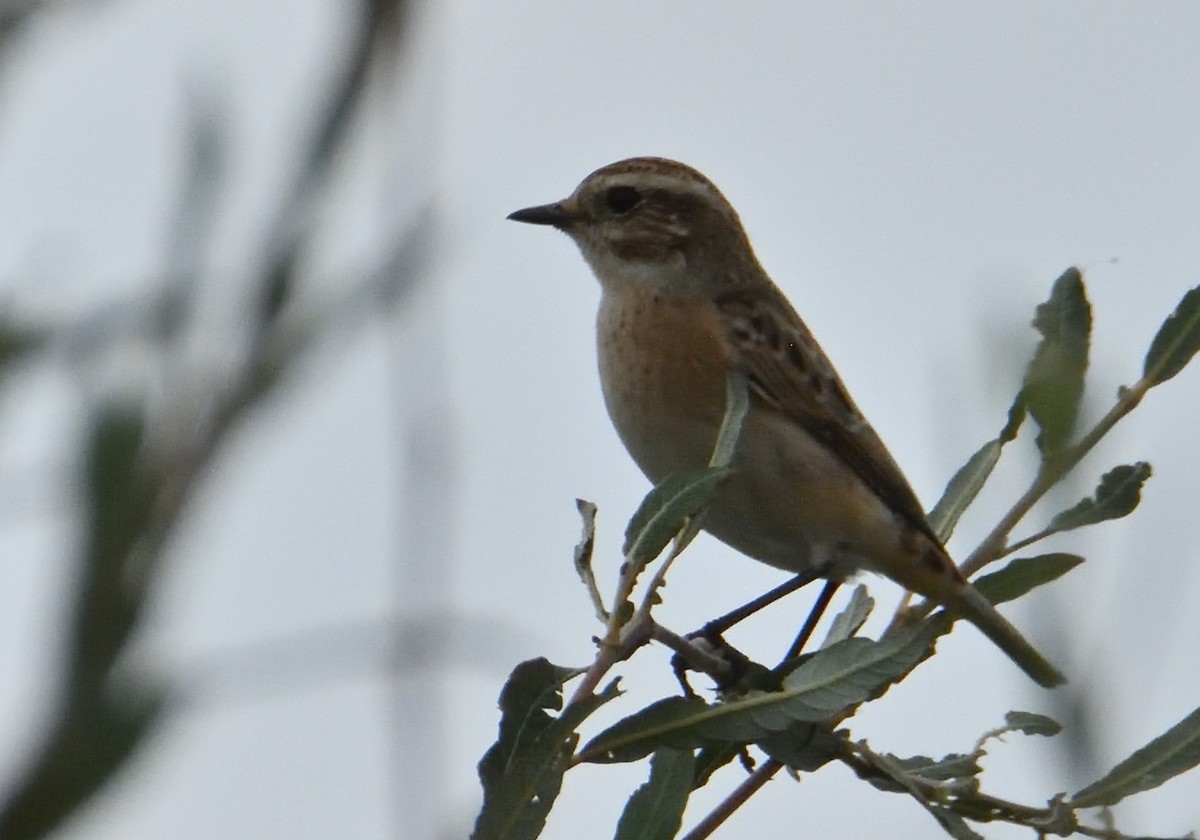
column 546, row 214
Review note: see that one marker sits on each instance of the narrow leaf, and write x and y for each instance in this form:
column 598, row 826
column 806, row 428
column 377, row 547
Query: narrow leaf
column 737, row 402
column 833, row 680
column 670, row 722
column 1027, row 723
column 522, row 772
column 1117, row 494
column 893, row 768
column 963, row 488
column 655, row 811
column 1025, row 574
column 1054, row 379
column 1031, row 723
column 955, row 766
column 1177, row 341
column 850, row 620
column 1174, row 752
column 665, row 509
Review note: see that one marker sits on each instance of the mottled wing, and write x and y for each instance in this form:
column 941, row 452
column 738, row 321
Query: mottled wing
column 787, row 368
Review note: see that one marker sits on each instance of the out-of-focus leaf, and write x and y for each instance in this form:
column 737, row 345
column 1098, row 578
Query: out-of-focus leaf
column 655, row 811
column 109, row 597
column 1025, row 574
column 1177, row 341
column 111, row 479
column 522, row 772
column 1174, row 752
column 851, row 619
column 17, row 342
column 1054, row 379
column 833, row 680
column 83, row 754
column 1117, row 495
column 963, row 488
column 665, row 509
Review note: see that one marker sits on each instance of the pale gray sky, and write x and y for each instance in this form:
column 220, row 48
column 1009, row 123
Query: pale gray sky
column 914, row 175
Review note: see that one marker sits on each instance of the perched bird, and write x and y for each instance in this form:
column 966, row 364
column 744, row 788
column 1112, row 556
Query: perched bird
column 684, row 303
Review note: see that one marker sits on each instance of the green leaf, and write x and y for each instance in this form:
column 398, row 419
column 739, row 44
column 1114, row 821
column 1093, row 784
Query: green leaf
column 1054, row 379
column 1025, row 574
column 666, row 508
column 655, row 811
column 944, row 769
column 1177, row 341
column 833, row 680
column 857, row 669
column 1117, row 494
column 1174, row 752
column 1027, row 723
column 1030, row 723
column 522, row 772
column 805, row 747
column 711, row 759
column 1016, row 417
column 904, row 781
column 850, row 620
column 737, row 402
column 963, row 488
column 670, row 722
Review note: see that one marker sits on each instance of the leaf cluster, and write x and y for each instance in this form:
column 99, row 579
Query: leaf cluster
column 795, row 713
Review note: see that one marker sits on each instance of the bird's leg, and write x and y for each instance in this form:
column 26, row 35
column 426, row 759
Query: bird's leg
column 719, row 625
column 814, row 616
column 710, row 635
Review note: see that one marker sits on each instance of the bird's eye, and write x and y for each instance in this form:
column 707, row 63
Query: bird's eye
column 621, row 200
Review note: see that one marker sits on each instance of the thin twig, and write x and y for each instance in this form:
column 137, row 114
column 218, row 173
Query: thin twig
column 995, row 545
column 739, row 797
column 624, row 632
column 1049, row 475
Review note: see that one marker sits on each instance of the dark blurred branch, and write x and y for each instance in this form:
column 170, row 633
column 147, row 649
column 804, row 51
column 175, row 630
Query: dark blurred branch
column 15, row 16
column 378, row 40
column 143, row 467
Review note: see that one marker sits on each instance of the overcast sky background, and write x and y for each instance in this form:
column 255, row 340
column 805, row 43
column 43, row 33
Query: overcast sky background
column 913, row 175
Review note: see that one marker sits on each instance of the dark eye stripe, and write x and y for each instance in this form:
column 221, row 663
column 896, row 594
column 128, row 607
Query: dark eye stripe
column 621, row 199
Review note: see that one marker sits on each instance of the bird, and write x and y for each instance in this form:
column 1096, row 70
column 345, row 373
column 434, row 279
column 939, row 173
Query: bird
column 685, row 304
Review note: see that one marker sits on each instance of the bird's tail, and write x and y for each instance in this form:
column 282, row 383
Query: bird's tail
column 970, row 604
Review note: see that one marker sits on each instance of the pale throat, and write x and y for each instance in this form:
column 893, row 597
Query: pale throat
column 672, row 276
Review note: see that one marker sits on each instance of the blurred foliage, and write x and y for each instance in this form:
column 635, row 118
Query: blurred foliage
column 148, row 448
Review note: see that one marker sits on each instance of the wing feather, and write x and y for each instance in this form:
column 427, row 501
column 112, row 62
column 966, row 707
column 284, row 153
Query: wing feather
column 789, row 371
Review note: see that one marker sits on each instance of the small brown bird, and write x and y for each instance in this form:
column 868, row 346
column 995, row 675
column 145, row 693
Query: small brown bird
column 684, row 303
